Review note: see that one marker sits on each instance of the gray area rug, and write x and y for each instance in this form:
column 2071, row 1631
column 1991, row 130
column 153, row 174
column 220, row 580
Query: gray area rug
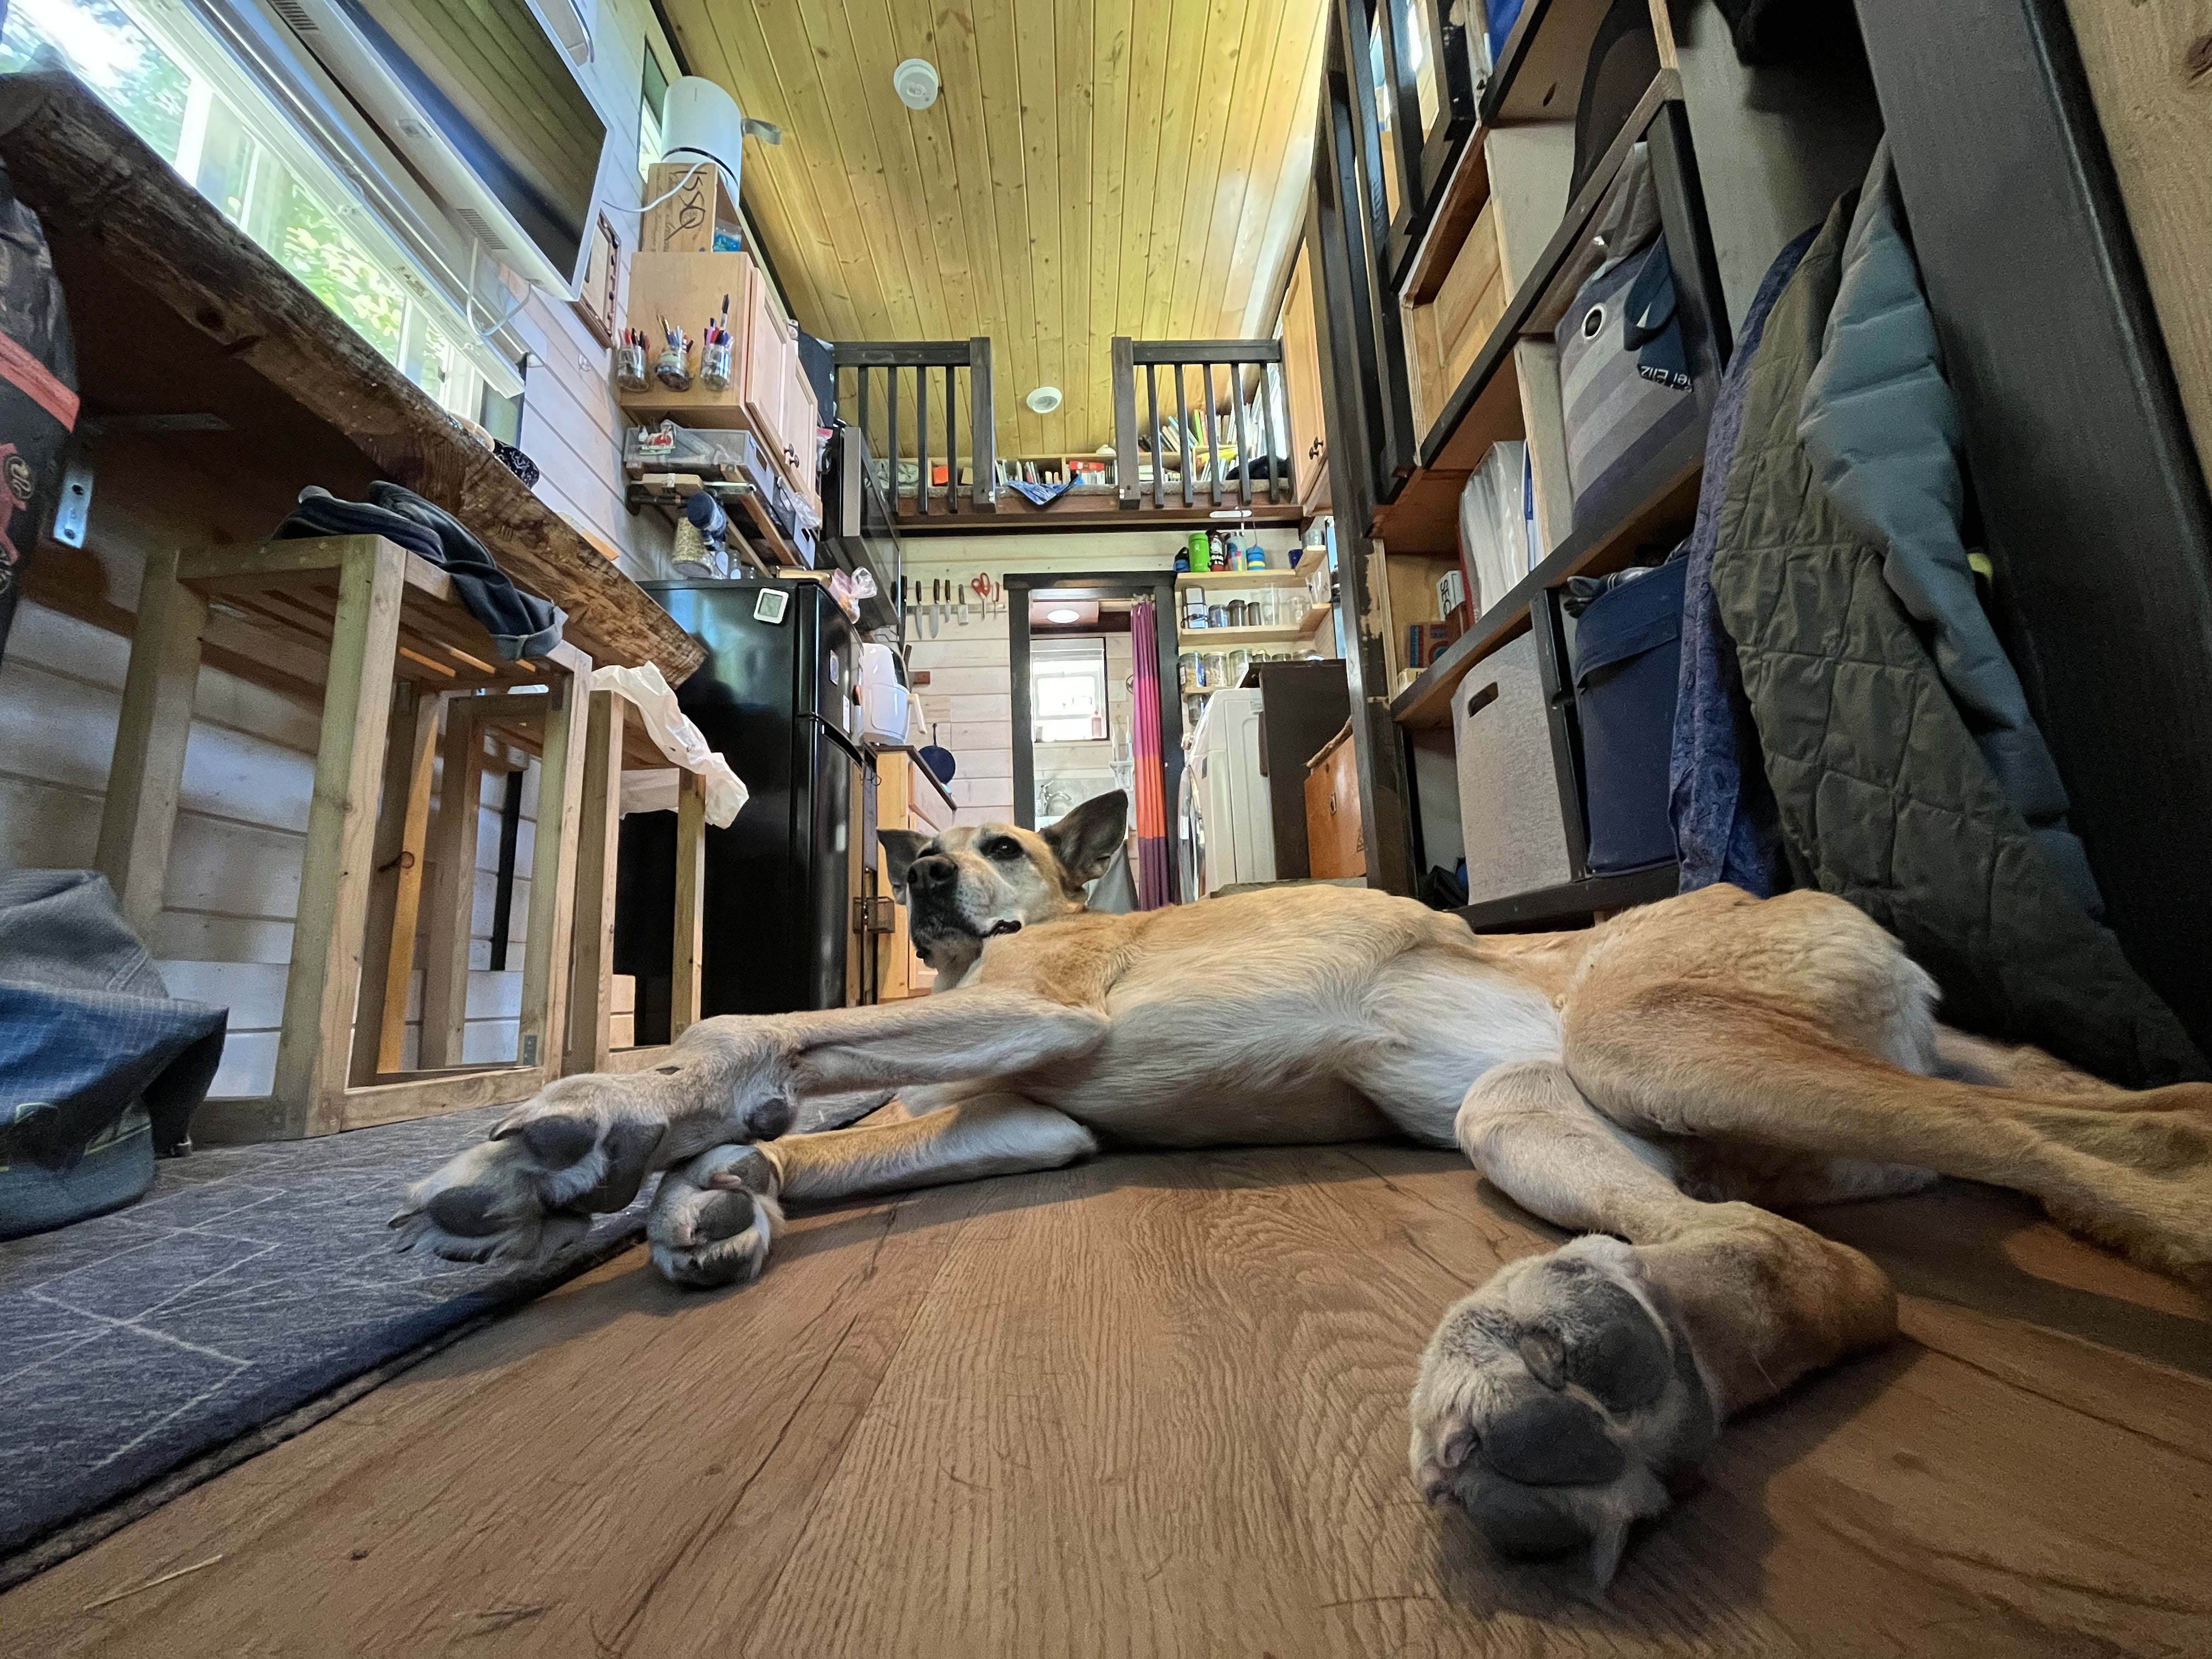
column 247, row 1281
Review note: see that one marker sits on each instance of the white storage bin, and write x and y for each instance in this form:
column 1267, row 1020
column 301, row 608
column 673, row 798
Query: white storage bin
column 1509, row 794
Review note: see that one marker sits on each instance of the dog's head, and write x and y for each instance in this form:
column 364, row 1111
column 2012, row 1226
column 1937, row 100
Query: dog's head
column 980, row 881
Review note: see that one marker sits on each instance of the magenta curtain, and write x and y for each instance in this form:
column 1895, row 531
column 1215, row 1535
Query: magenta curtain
column 1152, row 882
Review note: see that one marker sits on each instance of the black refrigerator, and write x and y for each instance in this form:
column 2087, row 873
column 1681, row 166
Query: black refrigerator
column 774, row 697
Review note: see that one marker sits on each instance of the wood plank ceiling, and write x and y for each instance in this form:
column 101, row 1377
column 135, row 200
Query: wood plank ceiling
column 1092, row 167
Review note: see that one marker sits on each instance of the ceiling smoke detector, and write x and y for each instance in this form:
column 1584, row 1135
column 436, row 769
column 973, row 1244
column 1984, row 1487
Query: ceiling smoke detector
column 1045, row 400
column 916, row 82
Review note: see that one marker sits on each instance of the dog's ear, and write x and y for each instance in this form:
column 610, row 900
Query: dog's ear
column 1085, row 842
column 901, row 848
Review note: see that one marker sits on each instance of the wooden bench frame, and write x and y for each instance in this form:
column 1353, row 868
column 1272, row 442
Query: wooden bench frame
column 400, row 644
column 610, row 752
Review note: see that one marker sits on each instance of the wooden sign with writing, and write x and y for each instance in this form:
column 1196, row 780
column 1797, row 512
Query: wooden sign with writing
column 695, row 197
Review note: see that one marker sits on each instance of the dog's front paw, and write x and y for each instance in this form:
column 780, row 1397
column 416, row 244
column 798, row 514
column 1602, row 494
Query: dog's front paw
column 716, row 1219
column 1558, row 1403
column 549, row 1166
column 584, row 1145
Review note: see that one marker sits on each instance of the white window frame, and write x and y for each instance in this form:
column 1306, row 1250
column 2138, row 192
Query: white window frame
column 209, row 53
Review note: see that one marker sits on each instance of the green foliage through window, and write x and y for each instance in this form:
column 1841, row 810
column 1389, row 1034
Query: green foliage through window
column 311, row 247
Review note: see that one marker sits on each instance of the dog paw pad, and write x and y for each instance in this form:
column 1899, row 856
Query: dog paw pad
column 1555, row 1404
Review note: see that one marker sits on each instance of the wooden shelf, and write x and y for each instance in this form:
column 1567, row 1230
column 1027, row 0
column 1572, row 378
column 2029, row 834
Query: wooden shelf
column 740, row 500
column 1212, row 579
column 1486, row 407
column 1229, row 639
column 1574, row 900
column 1662, row 496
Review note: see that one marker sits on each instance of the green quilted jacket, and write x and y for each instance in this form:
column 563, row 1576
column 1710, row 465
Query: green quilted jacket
column 1886, row 799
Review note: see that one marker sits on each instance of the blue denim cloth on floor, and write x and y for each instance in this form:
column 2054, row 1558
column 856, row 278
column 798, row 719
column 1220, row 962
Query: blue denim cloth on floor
column 1726, row 826
column 520, row 625
column 96, row 1059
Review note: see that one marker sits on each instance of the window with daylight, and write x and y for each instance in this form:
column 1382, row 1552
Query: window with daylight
column 650, row 98
column 168, row 83
column 1068, row 690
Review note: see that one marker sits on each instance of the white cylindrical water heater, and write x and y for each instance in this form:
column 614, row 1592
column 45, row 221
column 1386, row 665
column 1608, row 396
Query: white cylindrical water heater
column 700, row 119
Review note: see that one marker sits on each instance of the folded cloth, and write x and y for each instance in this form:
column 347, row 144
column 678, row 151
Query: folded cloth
column 1727, row 827
column 676, row 735
column 99, row 1066
column 515, row 462
column 1041, row 495
column 520, row 625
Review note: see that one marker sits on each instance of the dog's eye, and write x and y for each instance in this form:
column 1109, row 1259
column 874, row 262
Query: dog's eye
column 1005, row 848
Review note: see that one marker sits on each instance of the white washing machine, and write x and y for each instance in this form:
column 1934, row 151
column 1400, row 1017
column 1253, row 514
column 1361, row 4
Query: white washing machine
column 1232, row 819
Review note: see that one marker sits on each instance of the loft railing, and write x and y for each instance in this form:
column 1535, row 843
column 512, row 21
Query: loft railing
column 1203, row 403
column 907, row 397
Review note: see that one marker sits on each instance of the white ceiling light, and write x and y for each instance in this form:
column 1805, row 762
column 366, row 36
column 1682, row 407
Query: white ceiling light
column 1045, row 400
column 1065, row 613
column 916, row 81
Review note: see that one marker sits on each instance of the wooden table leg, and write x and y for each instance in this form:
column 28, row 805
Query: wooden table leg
column 590, row 995
column 690, row 954
column 452, row 888
column 146, row 775
column 387, row 955
column 314, row 1052
column 545, row 961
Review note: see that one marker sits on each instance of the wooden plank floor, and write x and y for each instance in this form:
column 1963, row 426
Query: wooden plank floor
column 1155, row 1406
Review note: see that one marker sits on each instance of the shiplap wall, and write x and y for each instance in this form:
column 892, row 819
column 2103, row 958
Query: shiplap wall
column 225, row 931
column 970, row 696
column 570, row 426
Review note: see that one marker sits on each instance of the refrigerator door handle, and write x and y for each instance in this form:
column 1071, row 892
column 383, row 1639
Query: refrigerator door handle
column 858, row 756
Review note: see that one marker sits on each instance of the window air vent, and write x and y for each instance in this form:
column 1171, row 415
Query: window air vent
column 296, row 15
column 477, row 222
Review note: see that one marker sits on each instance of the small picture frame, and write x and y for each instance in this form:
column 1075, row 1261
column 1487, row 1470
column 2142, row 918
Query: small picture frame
column 595, row 304
column 771, row 604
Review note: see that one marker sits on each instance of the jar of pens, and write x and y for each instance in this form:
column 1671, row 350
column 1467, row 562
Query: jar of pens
column 674, row 368
column 630, row 360
column 714, row 352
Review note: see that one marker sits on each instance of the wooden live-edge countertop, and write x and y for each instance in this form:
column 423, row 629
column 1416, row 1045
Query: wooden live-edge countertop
column 89, row 177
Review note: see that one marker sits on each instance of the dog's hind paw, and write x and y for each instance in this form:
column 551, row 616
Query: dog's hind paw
column 716, row 1219
column 1558, row 1404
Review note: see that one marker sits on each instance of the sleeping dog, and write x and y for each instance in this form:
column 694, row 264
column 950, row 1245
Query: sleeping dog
column 1660, row 1085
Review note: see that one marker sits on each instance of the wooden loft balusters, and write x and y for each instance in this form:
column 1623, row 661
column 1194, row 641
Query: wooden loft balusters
column 890, row 389
column 1253, row 374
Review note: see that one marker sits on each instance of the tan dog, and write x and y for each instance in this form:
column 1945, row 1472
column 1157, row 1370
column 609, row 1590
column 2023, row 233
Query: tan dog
column 1658, row 1083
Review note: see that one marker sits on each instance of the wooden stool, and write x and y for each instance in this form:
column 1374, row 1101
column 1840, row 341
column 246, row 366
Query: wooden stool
column 619, row 743
column 397, row 644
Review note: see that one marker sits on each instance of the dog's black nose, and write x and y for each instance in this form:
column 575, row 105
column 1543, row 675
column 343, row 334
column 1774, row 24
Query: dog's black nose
column 935, row 871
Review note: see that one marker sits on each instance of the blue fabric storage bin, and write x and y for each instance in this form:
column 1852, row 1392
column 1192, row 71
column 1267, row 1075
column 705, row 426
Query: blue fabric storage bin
column 1501, row 16
column 1628, row 650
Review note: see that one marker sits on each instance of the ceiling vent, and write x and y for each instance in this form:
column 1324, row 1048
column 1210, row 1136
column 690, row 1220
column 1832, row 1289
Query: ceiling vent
column 295, row 16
